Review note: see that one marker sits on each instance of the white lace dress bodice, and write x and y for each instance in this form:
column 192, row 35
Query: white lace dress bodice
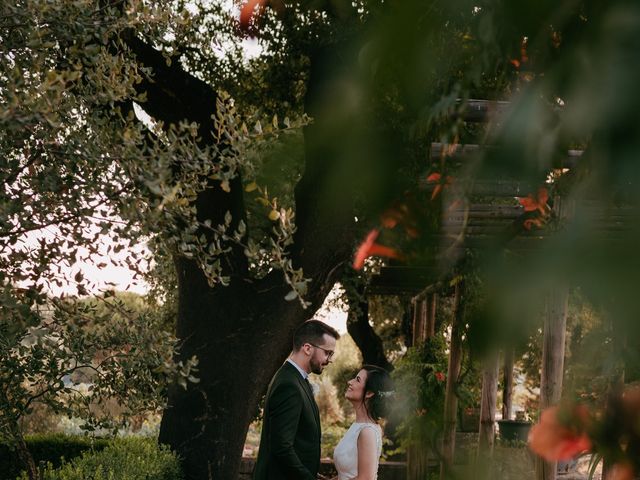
column 345, row 455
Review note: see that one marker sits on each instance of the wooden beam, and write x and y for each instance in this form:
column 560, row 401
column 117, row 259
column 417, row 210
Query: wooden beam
column 483, row 110
column 399, row 280
column 459, row 153
column 490, row 187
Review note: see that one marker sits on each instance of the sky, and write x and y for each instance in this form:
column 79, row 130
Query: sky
column 333, row 311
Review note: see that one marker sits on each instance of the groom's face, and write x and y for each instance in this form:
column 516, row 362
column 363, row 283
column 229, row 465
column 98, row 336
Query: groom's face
column 322, row 353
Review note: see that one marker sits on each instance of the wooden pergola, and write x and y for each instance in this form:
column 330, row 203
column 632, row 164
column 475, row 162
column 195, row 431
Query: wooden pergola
column 474, row 224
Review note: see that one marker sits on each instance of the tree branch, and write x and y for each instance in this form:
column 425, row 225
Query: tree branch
column 173, row 95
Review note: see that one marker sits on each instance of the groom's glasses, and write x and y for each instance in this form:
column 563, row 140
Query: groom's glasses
column 328, row 352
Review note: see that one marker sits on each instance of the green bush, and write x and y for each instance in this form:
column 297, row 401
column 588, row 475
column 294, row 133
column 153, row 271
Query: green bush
column 48, row 448
column 133, row 458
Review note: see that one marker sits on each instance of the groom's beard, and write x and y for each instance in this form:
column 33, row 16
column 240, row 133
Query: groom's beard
column 316, row 367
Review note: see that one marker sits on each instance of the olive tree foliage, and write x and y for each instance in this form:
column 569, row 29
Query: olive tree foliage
column 80, row 358
column 76, row 165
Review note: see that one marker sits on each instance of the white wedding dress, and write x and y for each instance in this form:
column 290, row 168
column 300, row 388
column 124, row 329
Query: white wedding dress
column 345, row 455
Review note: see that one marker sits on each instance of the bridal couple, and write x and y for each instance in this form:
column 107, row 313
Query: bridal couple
column 290, row 441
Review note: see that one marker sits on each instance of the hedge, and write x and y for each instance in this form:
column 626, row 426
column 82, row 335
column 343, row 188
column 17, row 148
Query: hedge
column 132, row 458
column 48, row 448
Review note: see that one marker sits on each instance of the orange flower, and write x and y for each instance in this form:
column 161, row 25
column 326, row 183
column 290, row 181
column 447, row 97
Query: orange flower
column 369, row 248
column 553, row 441
column 532, row 203
column 439, row 376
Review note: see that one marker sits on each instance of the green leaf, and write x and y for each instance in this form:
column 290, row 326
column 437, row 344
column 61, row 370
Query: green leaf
column 292, row 295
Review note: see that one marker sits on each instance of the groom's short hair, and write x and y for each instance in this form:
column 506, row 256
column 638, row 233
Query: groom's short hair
column 312, row 331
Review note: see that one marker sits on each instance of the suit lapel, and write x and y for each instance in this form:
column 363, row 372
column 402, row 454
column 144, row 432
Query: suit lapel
column 306, row 386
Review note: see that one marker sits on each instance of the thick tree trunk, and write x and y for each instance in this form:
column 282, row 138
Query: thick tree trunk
column 453, row 372
column 25, row 457
column 242, row 333
column 240, row 337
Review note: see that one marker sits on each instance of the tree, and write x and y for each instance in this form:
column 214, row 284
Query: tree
column 100, row 351
column 79, row 163
column 77, row 157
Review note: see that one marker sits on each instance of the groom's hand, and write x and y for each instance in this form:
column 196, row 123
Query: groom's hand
column 323, row 477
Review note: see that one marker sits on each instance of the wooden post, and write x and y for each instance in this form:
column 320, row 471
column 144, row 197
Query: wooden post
column 488, row 406
column 430, row 319
column 615, row 389
column 417, row 463
column 552, row 363
column 419, row 313
column 451, row 400
column 507, row 388
column 423, row 321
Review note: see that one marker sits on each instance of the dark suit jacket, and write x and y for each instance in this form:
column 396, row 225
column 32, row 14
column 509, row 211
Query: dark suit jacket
column 290, row 441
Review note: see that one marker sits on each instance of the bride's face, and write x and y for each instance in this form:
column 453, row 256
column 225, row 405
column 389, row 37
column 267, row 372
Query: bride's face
column 355, row 387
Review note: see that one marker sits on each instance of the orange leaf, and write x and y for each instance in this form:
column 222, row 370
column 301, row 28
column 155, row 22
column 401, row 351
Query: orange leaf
column 538, row 202
column 434, row 177
column 383, row 251
column 369, row 248
column 390, row 218
column 531, row 222
column 436, row 191
column 363, row 250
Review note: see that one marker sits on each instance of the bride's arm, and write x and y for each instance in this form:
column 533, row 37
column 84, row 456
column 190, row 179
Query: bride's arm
column 367, row 453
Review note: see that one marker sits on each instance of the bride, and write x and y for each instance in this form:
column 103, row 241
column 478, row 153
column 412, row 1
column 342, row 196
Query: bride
column 356, row 456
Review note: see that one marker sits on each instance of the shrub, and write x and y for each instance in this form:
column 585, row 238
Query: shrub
column 132, row 458
column 48, row 448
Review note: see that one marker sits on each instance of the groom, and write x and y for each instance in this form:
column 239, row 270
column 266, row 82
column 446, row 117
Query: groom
column 290, row 441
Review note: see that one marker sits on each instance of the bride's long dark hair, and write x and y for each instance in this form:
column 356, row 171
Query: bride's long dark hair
column 380, row 384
